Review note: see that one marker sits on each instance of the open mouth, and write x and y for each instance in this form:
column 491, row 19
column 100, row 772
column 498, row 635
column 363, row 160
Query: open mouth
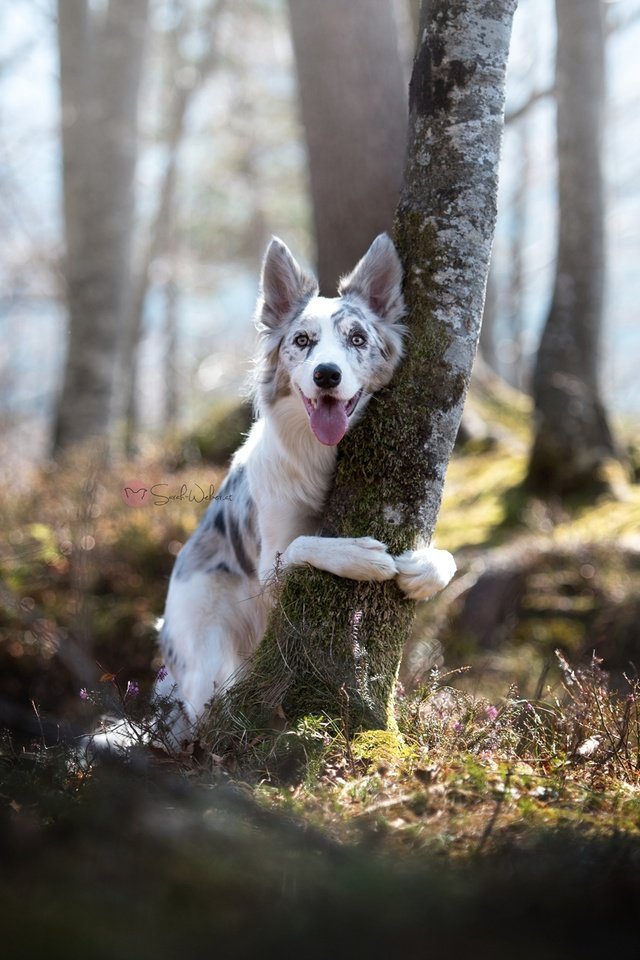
column 329, row 416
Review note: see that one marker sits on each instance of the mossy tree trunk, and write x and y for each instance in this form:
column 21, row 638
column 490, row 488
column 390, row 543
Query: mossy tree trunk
column 333, row 645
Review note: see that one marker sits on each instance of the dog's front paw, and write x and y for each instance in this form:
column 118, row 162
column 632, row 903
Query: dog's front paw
column 357, row 558
column 422, row 573
column 367, row 559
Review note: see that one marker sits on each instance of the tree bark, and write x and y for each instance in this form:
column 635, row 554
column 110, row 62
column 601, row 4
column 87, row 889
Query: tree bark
column 170, row 355
column 100, row 65
column 333, row 646
column 572, row 434
column 354, row 111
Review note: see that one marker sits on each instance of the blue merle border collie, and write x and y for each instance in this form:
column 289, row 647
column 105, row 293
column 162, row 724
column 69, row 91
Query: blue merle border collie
column 320, row 361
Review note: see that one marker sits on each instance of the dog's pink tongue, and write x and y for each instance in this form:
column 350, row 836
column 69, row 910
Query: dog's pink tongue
column 329, row 421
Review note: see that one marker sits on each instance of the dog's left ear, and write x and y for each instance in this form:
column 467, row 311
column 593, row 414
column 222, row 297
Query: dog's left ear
column 377, row 278
column 283, row 285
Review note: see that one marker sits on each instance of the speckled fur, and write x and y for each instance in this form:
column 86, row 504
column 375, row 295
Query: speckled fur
column 270, row 506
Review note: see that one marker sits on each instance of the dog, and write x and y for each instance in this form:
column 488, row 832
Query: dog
column 320, row 361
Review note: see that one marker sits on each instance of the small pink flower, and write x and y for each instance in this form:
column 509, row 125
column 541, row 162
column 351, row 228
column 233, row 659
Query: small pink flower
column 162, row 674
column 458, row 727
column 491, row 712
column 83, row 694
column 132, row 689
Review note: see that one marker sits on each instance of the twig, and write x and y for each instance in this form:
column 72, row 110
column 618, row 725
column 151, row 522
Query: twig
column 512, row 115
column 500, row 799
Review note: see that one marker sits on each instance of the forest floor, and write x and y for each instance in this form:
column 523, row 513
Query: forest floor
column 502, row 816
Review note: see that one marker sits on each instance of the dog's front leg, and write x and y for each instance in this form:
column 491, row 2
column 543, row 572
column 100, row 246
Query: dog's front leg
column 422, row 573
column 356, row 558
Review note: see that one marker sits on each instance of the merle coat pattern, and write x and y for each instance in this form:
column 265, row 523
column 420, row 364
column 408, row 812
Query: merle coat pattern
column 320, row 361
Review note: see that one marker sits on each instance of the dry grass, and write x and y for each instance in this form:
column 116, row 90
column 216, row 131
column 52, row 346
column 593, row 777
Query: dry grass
column 485, row 805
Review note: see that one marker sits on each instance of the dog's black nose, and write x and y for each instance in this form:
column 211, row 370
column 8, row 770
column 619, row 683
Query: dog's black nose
column 327, row 375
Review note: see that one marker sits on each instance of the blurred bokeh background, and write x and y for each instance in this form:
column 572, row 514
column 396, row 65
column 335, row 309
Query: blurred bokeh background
column 148, row 150
column 215, row 160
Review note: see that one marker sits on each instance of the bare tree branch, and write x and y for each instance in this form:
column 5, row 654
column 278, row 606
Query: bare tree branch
column 512, row 115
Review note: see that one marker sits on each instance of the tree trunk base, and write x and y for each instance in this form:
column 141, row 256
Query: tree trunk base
column 298, row 671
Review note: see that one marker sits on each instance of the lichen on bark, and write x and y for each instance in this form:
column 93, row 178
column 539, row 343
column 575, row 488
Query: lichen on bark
column 333, row 645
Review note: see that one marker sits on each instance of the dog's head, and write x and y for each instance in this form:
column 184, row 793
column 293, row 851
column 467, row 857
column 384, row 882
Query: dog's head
column 329, row 355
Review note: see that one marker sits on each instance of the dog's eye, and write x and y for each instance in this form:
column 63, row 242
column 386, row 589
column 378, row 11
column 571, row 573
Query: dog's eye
column 357, row 340
column 301, row 340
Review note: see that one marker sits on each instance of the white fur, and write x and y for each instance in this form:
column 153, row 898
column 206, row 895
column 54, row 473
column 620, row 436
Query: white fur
column 214, row 619
column 421, row 573
column 361, row 558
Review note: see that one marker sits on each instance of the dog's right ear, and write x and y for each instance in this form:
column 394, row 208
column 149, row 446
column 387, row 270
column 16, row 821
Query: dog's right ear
column 377, row 278
column 283, row 285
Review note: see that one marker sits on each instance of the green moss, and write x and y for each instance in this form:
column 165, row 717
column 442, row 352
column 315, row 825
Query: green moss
column 383, row 748
column 306, row 664
column 475, row 507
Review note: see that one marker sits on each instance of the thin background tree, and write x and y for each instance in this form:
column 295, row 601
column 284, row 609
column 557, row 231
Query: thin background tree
column 573, row 438
column 101, row 51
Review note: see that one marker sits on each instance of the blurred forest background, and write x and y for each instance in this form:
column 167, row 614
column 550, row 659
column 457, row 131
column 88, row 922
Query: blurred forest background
column 148, row 151
column 181, row 195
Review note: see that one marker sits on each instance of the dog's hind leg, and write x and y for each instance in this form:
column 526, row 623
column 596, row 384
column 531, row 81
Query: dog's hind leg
column 422, row 573
column 211, row 624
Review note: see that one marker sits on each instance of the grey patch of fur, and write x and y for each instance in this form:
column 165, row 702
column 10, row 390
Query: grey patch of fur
column 375, row 283
column 233, row 549
column 219, row 522
column 273, row 382
column 349, row 309
column 389, row 338
column 237, row 544
column 384, row 342
column 168, row 650
column 199, row 552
